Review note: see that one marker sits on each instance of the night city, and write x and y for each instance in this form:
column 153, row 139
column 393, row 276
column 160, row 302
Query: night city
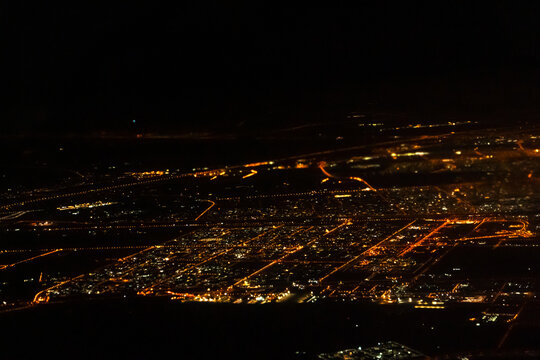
column 216, row 181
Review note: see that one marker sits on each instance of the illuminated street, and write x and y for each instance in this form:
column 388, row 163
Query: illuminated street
column 219, row 181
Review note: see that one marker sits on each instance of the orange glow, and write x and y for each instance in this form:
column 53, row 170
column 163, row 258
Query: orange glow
column 212, row 204
column 253, row 172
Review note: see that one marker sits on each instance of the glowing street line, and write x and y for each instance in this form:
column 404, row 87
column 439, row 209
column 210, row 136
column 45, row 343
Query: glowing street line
column 204, row 212
column 423, row 239
column 212, row 257
column 366, row 251
column 29, row 259
column 253, row 172
column 291, row 253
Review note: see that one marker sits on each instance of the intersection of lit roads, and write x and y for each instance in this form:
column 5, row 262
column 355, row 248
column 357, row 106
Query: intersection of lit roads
column 338, row 225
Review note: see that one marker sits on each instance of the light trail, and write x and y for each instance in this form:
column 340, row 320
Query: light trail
column 438, row 259
column 305, row 193
column 499, row 293
column 429, row 266
column 511, row 327
column 429, row 307
column 15, row 215
column 347, row 222
column 356, row 178
column 23, row 307
column 271, row 263
column 366, row 251
column 2, row 267
column 150, row 288
column 424, row 238
column 253, row 172
column 130, row 270
column 478, row 226
column 322, row 164
column 212, row 204
column 115, row 187
column 93, row 248
column 42, row 297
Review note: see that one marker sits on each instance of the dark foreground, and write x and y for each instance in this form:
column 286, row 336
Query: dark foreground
column 155, row 328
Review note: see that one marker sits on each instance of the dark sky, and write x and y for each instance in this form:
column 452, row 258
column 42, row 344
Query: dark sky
column 87, row 66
